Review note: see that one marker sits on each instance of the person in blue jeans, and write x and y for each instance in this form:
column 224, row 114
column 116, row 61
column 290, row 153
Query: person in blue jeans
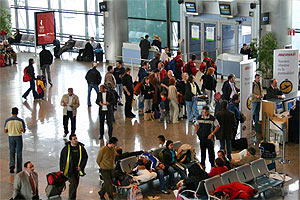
column 227, row 124
column 93, row 78
column 14, row 127
column 192, row 92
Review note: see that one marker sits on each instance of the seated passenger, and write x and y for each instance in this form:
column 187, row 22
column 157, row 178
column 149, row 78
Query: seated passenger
column 10, row 52
column 169, row 160
column 235, row 190
column 161, row 140
column 68, row 45
column 196, row 174
column 218, row 169
column 222, row 155
column 16, row 38
column 142, row 172
column 251, row 151
column 273, row 92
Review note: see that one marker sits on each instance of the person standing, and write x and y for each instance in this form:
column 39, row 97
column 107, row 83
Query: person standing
column 109, row 80
column 173, row 97
column 147, row 90
column 229, row 88
column 26, row 183
column 209, row 84
column 119, row 71
column 106, row 160
column 234, row 107
column 227, row 123
column 207, row 126
column 14, row 127
column 191, row 97
column 128, row 90
column 73, row 159
column 70, row 102
column 30, row 72
column 93, row 78
column 179, row 65
column 257, row 96
column 46, row 59
column 105, row 100
column 143, row 71
column 145, row 46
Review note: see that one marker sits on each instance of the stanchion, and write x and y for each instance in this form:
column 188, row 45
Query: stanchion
column 283, row 160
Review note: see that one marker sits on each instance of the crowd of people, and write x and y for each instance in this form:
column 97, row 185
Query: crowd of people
column 165, row 89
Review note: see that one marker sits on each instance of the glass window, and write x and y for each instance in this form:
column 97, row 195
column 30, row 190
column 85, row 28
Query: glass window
column 195, row 40
column 22, row 18
column 244, row 35
column 175, row 35
column 20, row 2
column 175, row 11
column 57, row 22
column 92, row 26
column 73, row 24
column 75, row 5
column 38, row 3
column 210, row 40
column 54, row 4
column 228, row 39
column 137, row 8
column 139, row 28
column 156, row 9
column 31, row 19
column 91, row 5
column 13, row 17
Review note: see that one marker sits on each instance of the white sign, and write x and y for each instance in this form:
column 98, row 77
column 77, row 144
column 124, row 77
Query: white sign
column 195, row 32
column 245, row 96
column 210, row 33
column 285, row 69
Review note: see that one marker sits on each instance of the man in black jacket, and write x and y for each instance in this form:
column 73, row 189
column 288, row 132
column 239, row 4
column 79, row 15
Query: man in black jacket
column 128, row 90
column 73, row 159
column 105, row 100
column 93, row 78
column 118, row 73
column 16, row 38
column 68, row 45
column 227, row 123
column 273, row 92
column 145, row 46
column 229, row 88
column 46, row 59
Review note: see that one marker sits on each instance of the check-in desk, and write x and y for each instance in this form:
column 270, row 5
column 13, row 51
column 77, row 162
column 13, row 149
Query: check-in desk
column 131, row 53
column 281, row 119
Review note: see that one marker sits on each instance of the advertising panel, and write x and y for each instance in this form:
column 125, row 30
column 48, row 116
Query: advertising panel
column 44, row 27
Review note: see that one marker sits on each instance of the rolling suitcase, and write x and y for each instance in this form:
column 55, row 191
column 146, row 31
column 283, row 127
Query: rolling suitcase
column 56, row 184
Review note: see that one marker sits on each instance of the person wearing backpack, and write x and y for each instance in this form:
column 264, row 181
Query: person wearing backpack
column 46, row 59
column 93, row 78
column 178, row 66
column 190, row 67
column 29, row 70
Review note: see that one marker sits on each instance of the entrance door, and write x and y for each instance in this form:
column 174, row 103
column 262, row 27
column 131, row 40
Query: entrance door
column 210, row 41
column 195, row 40
column 228, row 38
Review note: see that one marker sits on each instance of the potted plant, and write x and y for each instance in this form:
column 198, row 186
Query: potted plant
column 265, row 58
column 5, row 22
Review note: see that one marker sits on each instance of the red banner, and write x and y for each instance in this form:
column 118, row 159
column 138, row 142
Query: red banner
column 45, row 27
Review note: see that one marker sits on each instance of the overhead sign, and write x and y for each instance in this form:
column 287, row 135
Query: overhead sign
column 286, row 69
column 44, row 27
column 245, row 96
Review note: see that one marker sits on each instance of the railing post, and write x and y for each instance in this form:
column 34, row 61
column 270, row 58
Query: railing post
column 284, row 161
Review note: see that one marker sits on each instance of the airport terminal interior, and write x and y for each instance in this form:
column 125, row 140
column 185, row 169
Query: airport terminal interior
column 202, row 29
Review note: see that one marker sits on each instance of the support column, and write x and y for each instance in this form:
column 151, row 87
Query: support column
column 115, row 29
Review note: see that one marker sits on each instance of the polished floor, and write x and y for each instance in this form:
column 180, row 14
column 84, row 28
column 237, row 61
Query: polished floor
column 43, row 139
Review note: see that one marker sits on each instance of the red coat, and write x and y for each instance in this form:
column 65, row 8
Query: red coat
column 237, row 190
column 192, row 66
column 217, row 171
column 179, row 63
column 162, row 74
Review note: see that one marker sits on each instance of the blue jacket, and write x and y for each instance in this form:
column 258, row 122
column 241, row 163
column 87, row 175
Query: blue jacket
column 142, row 74
column 164, row 104
column 233, row 107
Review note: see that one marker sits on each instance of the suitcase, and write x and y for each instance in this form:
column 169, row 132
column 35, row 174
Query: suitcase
column 54, row 190
column 240, row 144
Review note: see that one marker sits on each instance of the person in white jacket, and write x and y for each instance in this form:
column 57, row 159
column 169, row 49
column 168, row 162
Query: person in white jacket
column 144, row 173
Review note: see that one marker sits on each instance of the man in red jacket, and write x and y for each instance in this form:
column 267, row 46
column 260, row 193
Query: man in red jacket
column 179, row 66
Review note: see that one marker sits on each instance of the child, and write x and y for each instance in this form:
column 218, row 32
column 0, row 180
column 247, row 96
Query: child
column 164, row 107
column 40, row 87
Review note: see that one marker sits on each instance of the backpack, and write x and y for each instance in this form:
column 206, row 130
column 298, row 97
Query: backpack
column 56, row 178
column 187, row 68
column 122, row 179
column 26, row 76
column 135, row 193
column 172, row 65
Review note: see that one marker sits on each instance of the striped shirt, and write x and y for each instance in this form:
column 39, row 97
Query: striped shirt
column 15, row 126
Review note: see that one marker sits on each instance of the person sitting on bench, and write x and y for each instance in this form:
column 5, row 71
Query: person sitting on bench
column 251, row 151
column 68, row 46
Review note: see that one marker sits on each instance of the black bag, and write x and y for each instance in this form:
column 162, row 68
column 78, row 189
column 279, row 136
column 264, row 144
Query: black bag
column 240, row 144
column 122, row 179
column 267, row 150
column 54, row 190
column 79, row 58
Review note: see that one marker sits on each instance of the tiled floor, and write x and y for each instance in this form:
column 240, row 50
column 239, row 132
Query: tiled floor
column 43, row 139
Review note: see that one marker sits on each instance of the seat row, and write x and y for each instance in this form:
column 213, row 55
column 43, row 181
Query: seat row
column 255, row 174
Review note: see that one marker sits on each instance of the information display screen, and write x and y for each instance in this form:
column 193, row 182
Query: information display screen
column 225, row 9
column 190, row 7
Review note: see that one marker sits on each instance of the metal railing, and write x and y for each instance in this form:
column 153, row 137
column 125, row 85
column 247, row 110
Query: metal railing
column 267, row 122
column 132, row 64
